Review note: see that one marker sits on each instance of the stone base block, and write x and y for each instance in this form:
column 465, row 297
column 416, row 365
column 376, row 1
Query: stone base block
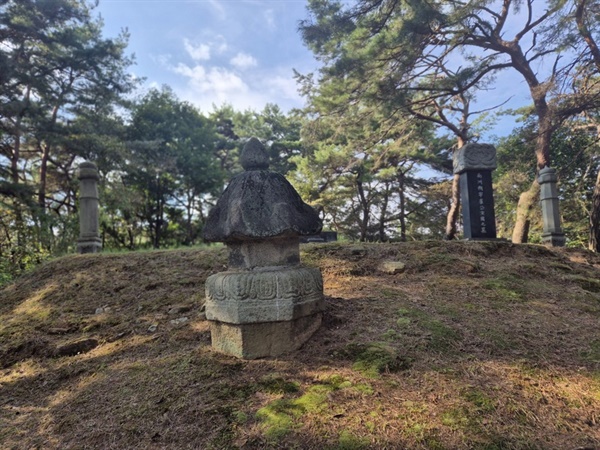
column 260, row 340
column 554, row 239
column 89, row 245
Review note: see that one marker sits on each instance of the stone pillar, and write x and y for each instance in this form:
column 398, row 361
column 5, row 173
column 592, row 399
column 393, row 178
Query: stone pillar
column 89, row 236
column 267, row 303
column 552, row 235
column 474, row 163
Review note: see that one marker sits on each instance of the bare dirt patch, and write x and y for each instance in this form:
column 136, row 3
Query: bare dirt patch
column 470, row 345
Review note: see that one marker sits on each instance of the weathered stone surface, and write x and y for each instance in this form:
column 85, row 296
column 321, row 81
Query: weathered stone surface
column 259, row 204
column 474, row 163
column 477, row 201
column 474, row 157
column 264, row 296
column 88, row 170
column 281, row 251
column 266, row 304
column 392, row 267
column 179, row 309
column 553, row 234
column 180, row 320
column 259, row 340
column 89, row 245
column 89, row 235
column 254, row 156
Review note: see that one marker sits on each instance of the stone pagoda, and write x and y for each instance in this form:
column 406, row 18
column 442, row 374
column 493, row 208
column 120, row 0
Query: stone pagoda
column 266, row 303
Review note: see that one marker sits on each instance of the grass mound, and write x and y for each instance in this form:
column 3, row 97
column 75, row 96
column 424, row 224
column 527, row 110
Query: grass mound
column 470, row 345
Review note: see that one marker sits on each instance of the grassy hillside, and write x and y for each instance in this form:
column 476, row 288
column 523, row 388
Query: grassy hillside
column 473, row 345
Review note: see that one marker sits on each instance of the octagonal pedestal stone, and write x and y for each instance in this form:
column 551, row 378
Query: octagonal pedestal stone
column 259, row 340
column 264, row 312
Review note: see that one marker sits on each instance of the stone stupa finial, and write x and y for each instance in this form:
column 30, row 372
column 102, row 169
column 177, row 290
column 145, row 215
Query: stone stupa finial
column 259, row 204
column 254, row 156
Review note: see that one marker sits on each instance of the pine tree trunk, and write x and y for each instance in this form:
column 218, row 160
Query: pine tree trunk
column 402, row 209
column 364, row 221
column 594, row 243
column 43, row 178
column 527, row 201
column 452, row 217
column 382, row 215
column 453, row 211
column 14, row 173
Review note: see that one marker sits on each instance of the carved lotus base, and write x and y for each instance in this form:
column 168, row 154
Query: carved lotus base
column 259, row 296
column 259, row 313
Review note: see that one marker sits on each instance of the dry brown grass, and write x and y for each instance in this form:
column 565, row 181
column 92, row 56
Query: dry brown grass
column 475, row 345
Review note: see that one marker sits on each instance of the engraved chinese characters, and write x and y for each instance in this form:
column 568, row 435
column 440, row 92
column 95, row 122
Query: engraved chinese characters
column 474, row 163
column 480, row 193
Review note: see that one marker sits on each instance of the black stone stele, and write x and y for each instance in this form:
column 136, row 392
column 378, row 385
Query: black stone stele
column 474, row 163
column 479, row 219
column 259, row 203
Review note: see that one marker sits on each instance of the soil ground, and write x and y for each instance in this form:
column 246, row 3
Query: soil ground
column 478, row 345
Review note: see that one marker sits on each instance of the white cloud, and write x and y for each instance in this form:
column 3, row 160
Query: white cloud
column 207, row 84
column 198, row 52
column 220, row 44
column 217, row 85
column 215, row 79
column 283, row 87
column 163, row 59
column 243, row 61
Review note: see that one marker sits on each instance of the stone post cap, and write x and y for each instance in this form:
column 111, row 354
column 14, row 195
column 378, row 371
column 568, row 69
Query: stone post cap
column 87, row 170
column 474, row 157
column 254, row 156
column 547, row 175
column 259, row 204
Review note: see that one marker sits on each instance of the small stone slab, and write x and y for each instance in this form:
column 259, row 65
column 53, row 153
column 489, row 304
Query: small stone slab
column 392, row 267
column 103, row 310
column 179, row 309
column 179, row 320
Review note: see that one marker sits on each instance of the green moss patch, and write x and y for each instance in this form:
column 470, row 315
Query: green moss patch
column 373, row 359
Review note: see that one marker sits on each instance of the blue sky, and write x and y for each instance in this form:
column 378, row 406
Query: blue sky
column 240, row 52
